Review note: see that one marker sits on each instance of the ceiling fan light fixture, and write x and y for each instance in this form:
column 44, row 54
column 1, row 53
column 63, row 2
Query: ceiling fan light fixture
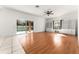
column 37, row 6
column 49, row 12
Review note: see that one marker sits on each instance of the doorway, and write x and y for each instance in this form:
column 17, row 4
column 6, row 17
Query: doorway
column 30, row 26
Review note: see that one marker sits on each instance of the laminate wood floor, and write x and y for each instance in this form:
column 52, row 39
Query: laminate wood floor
column 50, row 43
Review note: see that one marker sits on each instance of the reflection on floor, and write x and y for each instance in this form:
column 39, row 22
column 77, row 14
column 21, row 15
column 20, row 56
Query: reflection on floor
column 11, row 45
column 50, row 43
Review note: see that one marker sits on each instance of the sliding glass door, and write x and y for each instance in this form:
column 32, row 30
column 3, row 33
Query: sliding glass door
column 24, row 26
column 21, row 27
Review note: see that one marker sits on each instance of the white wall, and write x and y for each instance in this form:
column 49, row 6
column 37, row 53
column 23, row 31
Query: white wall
column 69, row 22
column 39, row 24
column 70, row 15
column 1, row 22
column 8, row 19
column 7, row 23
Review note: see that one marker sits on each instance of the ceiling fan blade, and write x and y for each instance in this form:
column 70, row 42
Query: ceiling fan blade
column 52, row 13
column 44, row 14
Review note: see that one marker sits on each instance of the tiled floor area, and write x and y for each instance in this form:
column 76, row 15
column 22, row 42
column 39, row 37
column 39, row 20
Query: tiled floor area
column 11, row 45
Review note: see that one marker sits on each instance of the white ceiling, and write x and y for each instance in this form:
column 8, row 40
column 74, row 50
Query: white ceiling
column 58, row 9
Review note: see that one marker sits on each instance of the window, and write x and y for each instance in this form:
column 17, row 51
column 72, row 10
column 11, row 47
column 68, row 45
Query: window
column 21, row 26
column 57, row 24
column 24, row 25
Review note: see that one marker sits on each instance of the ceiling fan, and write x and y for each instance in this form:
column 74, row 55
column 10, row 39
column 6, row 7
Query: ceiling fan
column 49, row 12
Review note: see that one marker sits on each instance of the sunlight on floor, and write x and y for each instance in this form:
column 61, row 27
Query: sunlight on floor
column 30, row 33
column 58, row 39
